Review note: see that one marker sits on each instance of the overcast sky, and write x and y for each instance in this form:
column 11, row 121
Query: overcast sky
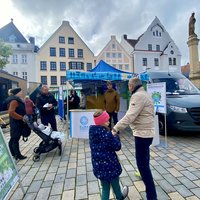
column 96, row 20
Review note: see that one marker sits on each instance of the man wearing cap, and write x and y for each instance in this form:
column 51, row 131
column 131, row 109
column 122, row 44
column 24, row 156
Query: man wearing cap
column 111, row 103
column 45, row 103
column 16, row 111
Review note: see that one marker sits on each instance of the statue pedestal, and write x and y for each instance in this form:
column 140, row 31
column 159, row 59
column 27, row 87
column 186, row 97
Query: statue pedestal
column 194, row 59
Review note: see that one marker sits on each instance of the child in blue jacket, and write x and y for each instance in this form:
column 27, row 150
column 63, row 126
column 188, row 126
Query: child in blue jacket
column 106, row 166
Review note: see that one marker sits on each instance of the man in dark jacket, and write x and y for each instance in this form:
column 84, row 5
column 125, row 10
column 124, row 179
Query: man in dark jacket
column 45, row 103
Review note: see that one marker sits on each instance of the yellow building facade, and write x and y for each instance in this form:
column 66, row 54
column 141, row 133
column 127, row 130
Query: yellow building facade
column 64, row 50
column 115, row 55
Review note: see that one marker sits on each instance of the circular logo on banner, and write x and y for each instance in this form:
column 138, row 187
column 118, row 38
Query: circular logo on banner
column 83, row 120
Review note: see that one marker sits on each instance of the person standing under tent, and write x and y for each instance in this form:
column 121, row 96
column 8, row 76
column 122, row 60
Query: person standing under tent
column 111, row 103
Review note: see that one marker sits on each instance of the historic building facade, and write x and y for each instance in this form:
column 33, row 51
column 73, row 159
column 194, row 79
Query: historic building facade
column 115, row 55
column 22, row 60
column 154, row 50
column 64, row 50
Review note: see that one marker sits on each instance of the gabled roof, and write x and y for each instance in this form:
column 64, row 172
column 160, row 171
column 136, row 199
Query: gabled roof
column 10, row 30
column 133, row 42
column 104, row 67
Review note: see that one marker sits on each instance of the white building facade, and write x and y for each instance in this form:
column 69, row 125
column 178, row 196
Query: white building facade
column 22, row 60
column 154, row 50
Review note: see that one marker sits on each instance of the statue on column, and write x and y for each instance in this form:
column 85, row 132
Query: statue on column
column 192, row 24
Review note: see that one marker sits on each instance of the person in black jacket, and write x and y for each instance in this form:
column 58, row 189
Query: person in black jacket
column 16, row 111
column 45, row 103
column 105, row 162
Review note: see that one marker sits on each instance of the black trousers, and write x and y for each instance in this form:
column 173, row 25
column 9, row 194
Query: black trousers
column 14, row 147
column 114, row 117
column 142, row 159
column 49, row 119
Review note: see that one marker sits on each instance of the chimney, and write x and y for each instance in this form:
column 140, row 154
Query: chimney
column 113, row 37
column 125, row 36
column 66, row 23
column 11, row 20
column 32, row 40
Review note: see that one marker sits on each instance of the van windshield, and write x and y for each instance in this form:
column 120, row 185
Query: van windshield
column 178, row 86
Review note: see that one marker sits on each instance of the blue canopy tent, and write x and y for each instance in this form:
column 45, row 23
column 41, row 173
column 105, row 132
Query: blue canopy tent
column 102, row 72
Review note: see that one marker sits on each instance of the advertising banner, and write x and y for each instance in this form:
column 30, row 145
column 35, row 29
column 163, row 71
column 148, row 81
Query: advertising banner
column 158, row 93
column 78, row 75
column 80, row 123
column 8, row 172
column 60, row 102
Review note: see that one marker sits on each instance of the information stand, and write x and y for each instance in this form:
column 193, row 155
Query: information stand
column 8, row 172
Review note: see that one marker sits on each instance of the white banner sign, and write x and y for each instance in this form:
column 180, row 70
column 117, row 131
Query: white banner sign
column 158, row 93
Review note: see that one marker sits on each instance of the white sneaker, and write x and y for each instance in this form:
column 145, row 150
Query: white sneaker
column 125, row 191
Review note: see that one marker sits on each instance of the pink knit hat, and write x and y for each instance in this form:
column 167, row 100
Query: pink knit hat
column 102, row 119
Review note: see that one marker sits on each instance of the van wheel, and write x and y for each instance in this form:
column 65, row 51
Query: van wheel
column 161, row 125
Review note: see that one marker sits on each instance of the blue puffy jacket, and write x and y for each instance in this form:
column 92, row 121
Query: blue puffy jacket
column 103, row 145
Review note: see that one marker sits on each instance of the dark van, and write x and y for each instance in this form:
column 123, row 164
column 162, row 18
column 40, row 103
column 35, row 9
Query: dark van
column 183, row 102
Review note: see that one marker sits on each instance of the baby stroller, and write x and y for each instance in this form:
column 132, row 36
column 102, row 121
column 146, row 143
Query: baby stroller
column 48, row 142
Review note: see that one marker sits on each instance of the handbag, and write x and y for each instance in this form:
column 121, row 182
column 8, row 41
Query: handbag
column 26, row 132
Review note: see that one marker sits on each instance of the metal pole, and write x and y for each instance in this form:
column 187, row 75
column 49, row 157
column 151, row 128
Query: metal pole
column 67, row 118
column 165, row 131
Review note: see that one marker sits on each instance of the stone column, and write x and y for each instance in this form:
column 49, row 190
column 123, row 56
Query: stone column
column 194, row 60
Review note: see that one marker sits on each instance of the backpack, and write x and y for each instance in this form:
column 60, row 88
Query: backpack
column 26, row 132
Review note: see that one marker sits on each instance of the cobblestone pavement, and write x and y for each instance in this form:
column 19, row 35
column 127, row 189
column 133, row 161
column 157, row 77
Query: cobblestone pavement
column 176, row 170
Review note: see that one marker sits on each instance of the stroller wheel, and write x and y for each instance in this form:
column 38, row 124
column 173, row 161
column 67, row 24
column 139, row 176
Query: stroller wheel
column 35, row 150
column 36, row 158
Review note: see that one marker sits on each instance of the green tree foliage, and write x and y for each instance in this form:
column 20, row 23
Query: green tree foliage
column 5, row 52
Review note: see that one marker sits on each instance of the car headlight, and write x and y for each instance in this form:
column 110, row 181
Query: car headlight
column 178, row 109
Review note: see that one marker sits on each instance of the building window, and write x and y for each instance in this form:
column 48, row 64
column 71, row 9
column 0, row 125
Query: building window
column 154, row 33
column 107, row 55
column 114, row 65
column 144, row 61
column 172, row 52
column 160, row 34
column 62, row 52
column 120, row 66
column 52, row 51
column 62, row 66
column 150, row 47
column 71, row 52
column 113, row 46
column 62, row 80
column 53, row 80
column 76, row 65
column 24, row 75
column 15, row 59
column 70, row 40
column 89, row 66
column 43, row 65
column 170, row 61
column 126, row 67
column 119, row 55
column 53, row 66
column 80, row 53
column 61, row 39
column 174, row 61
column 157, row 47
column 113, row 55
column 44, row 80
column 15, row 73
column 24, row 59
column 156, row 62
